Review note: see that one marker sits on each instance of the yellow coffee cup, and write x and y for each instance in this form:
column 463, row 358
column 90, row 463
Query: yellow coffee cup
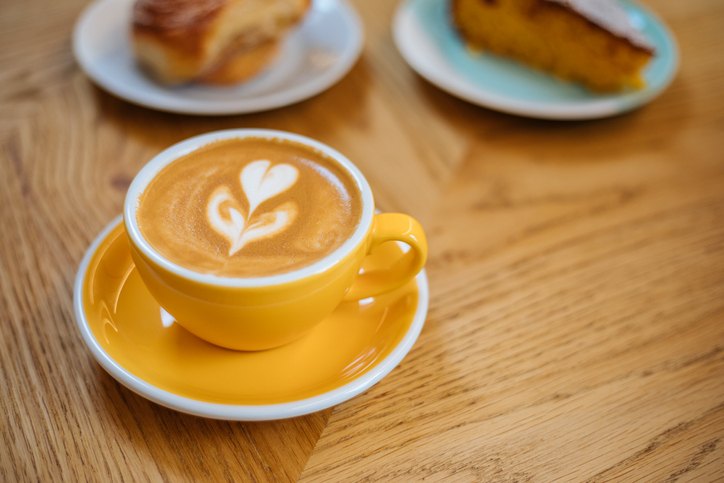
column 265, row 312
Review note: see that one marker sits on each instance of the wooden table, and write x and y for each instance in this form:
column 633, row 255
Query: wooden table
column 576, row 325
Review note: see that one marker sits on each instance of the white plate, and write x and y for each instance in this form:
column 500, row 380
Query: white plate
column 425, row 37
column 237, row 411
column 314, row 57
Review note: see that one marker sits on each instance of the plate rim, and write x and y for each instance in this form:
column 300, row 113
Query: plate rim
column 226, row 107
column 593, row 109
column 238, row 412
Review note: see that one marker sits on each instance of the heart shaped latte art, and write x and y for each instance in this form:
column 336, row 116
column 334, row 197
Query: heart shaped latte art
column 261, row 183
column 225, row 214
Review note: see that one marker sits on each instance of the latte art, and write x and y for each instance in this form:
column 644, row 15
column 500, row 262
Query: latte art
column 259, row 183
column 249, row 207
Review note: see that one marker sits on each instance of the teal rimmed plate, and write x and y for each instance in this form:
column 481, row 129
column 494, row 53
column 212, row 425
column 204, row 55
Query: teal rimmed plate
column 425, row 37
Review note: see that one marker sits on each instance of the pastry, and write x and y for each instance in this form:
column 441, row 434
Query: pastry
column 214, row 41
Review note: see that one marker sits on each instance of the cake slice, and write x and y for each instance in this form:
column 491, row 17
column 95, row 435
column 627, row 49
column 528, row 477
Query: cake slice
column 587, row 41
column 215, row 41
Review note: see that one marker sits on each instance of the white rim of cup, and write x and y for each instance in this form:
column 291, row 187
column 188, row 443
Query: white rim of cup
column 187, row 146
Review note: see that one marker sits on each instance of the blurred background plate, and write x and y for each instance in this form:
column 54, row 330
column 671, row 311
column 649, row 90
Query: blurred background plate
column 425, row 37
column 314, row 57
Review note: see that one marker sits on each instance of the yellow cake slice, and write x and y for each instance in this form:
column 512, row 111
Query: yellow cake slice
column 587, row 41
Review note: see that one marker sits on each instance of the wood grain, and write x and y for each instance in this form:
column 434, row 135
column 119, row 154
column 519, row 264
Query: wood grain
column 576, row 269
column 65, row 418
column 68, row 152
column 577, row 281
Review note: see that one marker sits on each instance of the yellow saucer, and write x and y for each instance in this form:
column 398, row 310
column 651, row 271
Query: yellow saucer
column 347, row 353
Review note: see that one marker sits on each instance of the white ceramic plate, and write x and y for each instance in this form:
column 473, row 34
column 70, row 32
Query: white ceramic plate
column 314, row 57
column 425, row 37
column 233, row 411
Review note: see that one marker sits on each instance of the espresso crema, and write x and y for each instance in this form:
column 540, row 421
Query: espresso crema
column 249, row 207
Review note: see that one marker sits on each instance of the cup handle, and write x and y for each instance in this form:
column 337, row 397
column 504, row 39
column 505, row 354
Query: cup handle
column 392, row 227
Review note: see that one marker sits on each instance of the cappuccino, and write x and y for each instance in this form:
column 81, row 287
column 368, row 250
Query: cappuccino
column 249, row 207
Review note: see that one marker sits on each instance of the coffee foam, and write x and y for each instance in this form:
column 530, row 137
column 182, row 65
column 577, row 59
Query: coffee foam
column 249, row 207
column 259, row 182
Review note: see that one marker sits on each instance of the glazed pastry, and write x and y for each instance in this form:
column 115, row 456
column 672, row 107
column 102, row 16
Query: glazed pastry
column 588, row 41
column 217, row 41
